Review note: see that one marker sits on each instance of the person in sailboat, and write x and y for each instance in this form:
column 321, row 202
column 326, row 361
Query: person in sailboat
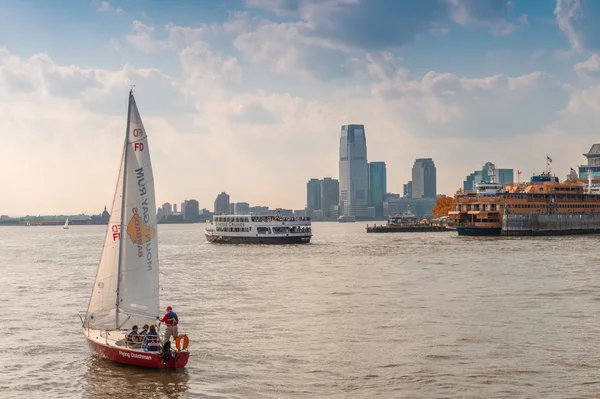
column 142, row 334
column 152, row 342
column 132, row 338
column 171, row 320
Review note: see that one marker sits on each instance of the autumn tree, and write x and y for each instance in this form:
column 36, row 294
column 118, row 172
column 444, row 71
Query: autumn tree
column 443, row 205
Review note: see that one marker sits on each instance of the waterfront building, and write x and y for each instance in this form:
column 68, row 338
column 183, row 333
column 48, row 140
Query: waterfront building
column 353, row 171
column 240, row 208
column 174, row 208
column 593, row 164
column 424, row 179
column 407, row 190
column 420, row 207
column 259, row 210
column 377, row 188
column 167, row 209
column 486, row 174
column 222, row 203
column 191, row 210
column 313, row 194
column 330, row 195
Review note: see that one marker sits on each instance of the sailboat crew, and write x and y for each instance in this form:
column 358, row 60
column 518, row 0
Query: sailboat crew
column 171, row 320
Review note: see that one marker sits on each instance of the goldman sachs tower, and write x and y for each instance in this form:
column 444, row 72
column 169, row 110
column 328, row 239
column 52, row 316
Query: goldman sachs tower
column 354, row 172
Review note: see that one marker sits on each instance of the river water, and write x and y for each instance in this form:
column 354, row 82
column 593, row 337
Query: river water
column 351, row 315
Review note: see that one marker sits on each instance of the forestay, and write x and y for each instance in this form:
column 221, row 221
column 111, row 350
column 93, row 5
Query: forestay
column 127, row 277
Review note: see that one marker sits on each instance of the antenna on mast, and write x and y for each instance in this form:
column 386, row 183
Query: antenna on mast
column 131, row 89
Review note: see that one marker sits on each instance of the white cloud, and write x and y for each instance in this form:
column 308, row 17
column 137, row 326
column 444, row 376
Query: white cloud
column 105, row 6
column 465, row 13
column 142, row 38
column 566, row 11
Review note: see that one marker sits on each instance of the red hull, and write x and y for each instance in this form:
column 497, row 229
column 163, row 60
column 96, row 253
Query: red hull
column 136, row 357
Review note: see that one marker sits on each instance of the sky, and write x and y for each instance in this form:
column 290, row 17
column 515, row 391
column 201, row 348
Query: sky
column 248, row 96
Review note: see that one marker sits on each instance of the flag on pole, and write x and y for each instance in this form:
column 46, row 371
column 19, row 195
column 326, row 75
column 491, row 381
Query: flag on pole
column 520, row 172
column 548, row 159
column 573, row 170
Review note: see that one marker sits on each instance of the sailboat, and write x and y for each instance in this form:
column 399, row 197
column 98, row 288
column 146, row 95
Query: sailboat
column 126, row 289
column 66, row 226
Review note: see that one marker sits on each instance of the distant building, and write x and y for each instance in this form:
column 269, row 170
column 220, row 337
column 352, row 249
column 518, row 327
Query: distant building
column 241, row 208
column 330, row 194
column 391, row 195
column 191, row 211
column 486, row 174
column 102, row 218
column 421, row 207
column 354, row 174
column 222, row 203
column 313, row 194
column 259, row 210
column 174, row 208
column 284, row 212
column 407, row 190
column 167, row 209
column 231, row 208
column 424, row 179
column 377, row 188
column 105, row 216
column 593, row 164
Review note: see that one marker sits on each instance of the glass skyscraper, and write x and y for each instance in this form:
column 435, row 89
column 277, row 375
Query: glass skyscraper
column 424, row 183
column 313, row 194
column 354, row 174
column 330, row 194
column 377, row 186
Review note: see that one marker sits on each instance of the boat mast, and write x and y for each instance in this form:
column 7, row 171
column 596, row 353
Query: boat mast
column 123, row 207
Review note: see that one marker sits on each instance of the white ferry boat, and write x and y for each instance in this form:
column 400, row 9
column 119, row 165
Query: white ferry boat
column 258, row 229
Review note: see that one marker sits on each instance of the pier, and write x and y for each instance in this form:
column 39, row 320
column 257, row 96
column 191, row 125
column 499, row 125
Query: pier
column 406, row 229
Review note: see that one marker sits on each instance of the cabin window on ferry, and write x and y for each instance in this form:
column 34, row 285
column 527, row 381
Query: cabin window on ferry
column 263, row 230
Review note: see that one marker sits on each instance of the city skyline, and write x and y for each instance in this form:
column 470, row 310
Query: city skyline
column 236, row 95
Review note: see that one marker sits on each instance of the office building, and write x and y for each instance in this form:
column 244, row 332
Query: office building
column 222, row 203
column 167, row 209
column 191, row 211
column 488, row 173
column 330, row 195
column 313, row 194
column 377, row 188
column 241, row 208
column 407, row 190
column 259, row 210
column 424, row 179
column 354, row 174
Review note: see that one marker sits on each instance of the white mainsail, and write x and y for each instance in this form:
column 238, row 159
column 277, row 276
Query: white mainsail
column 126, row 288
column 66, row 226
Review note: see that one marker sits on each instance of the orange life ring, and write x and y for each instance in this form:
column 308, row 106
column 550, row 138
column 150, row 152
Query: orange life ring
column 186, row 342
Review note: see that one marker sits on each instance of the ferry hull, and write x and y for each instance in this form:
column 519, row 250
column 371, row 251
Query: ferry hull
column 220, row 239
column 136, row 357
column 478, row 231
